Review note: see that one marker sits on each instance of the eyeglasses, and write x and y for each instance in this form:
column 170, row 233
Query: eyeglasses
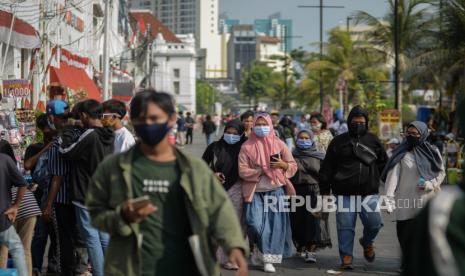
column 110, row 115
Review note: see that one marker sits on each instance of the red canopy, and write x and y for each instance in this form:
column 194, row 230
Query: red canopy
column 75, row 79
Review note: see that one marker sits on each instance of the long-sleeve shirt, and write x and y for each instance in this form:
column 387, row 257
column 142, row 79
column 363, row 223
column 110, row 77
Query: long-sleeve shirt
column 402, row 188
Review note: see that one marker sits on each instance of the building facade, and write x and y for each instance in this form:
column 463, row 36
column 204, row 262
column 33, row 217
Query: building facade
column 242, row 50
column 279, row 28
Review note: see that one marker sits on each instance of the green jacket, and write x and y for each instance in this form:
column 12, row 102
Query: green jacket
column 211, row 214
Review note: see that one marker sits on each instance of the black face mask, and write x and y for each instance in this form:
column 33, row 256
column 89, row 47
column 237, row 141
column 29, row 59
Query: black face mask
column 357, row 129
column 413, row 141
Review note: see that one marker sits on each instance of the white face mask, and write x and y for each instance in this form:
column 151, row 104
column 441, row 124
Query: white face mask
column 317, row 127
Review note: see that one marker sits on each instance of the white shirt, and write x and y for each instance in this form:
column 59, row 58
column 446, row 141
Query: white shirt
column 124, row 140
column 402, row 188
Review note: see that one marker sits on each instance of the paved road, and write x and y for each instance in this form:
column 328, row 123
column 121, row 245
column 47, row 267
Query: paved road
column 387, row 248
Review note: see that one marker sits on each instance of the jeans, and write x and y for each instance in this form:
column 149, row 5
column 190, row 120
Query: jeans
column 10, row 238
column 39, row 242
column 346, row 221
column 25, row 231
column 189, row 135
column 96, row 241
column 209, row 138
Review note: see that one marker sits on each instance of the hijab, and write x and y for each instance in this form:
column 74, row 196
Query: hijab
column 259, row 150
column 427, row 157
column 310, row 152
column 228, row 155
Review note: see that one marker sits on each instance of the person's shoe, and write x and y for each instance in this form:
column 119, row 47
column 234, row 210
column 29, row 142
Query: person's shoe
column 347, row 263
column 368, row 252
column 310, row 257
column 269, row 268
column 230, row 266
column 255, row 259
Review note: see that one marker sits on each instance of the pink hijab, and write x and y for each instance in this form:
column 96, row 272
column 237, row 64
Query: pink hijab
column 259, row 149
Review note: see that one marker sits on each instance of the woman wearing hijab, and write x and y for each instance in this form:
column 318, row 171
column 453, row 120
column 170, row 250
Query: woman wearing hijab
column 265, row 166
column 413, row 174
column 222, row 157
column 309, row 230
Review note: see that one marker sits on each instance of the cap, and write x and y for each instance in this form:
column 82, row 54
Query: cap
column 393, row 141
column 57, row 107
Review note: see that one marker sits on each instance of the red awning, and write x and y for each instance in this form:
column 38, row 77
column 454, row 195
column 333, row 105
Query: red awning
column 75, row 79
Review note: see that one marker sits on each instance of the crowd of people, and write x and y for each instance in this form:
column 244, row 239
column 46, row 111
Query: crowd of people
column 108, row 205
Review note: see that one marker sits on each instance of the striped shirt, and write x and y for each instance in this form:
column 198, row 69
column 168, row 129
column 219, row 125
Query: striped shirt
column 28, row 206
column 58, row 165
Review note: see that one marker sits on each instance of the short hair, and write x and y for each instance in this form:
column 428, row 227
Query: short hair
column 140, row 103
column 247, row 114
column 75, row 111
column 320, row 118
column 92, row 108
column 188, row 114
column 274, row 114
column 115, row 106
column 208, row 117
column 41, row 121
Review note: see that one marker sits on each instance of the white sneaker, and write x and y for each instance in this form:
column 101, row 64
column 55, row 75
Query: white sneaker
column 310, row 257
column 269, row 268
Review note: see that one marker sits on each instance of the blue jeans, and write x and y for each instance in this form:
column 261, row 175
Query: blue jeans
column 96, row 241
column 10, row 238
column 209, row 138
column 372, row 223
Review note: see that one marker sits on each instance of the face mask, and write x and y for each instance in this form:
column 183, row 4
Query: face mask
column 317, row 127
column 357, row 129
column 232, row 138
column 412, row 141
column 108, row 122
column 261, row 131
column 304, row 144
column 152, row 134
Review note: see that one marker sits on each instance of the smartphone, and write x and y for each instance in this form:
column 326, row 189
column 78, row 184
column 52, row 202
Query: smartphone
column 140, row 202
column 275, row 157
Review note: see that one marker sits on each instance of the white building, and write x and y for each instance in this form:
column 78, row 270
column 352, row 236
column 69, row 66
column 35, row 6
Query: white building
column 197, row 17
column 175, row 69
column 269, row 52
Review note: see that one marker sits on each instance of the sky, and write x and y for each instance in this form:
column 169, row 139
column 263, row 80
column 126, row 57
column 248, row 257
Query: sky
column 305, row 20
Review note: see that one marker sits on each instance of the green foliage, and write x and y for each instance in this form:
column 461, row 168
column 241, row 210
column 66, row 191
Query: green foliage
column 206, row 96
column 255, row 81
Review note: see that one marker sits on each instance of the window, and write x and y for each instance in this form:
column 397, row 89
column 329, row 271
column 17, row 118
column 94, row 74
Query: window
column 177, row 73
column 176, row 88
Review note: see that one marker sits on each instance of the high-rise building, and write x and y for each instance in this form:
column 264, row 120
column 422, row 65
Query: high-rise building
column 197, row 17
column 276, row 27
column 225, row 25
column 242, row 50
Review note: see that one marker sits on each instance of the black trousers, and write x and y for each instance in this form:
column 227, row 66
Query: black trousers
column 189, row 134
column 403, row 232
column 71, row 248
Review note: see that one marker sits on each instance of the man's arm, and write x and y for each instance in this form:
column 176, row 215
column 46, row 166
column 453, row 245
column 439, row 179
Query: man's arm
column 58, row 168
column 74, row 151
column 30, row 162
column 16, row 180
column 327, row 170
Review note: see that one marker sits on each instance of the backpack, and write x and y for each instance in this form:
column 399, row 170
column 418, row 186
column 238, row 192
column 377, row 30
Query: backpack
column 41, row 173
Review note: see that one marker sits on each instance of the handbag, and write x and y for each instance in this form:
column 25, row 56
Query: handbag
column 364, row 153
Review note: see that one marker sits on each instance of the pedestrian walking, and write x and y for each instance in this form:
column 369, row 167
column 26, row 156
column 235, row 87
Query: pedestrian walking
column 217, row 122
column 247, row 119
column 303, row 124
column 310, row 231
column 11, row 177
column 412, row 176
column 181, row 123
column 208, row 129
column 323, row 136
column 352, row 168
column 278, row 128
column 288, row 132
column 114, row 112
column 190, row 124
column 171, row 199
column 265, row 166
column 222, row 157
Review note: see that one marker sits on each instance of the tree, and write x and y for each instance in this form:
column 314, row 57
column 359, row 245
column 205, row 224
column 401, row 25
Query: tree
column 255, row 81
column 206, row 97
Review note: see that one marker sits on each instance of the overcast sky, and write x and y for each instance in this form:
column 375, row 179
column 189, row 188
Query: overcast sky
column 305, row 21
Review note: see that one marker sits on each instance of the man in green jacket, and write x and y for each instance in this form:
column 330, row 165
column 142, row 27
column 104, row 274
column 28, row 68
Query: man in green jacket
column 182, row 212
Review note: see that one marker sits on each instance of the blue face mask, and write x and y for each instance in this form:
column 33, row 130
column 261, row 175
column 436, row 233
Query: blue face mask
column 152, row 134
column 261, row 131
column 304, row 144
column 232, row 138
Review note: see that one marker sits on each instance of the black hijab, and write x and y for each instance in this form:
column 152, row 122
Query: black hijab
column 310, row 152
column 226, row 156
column 427, row 157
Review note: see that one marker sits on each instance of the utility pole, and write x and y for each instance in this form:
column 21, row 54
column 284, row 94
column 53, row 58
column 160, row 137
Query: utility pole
column 286, row 68
column 349, row 18
column 398, row 92
column 106, row 57
column 321, row 7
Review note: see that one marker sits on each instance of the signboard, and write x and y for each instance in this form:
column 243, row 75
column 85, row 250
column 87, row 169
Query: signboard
column 389, row 124
column 16, row 89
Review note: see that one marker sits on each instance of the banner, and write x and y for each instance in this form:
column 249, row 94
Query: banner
column 16, row 89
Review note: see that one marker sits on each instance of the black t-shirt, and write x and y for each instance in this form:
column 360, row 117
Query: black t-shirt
column 32, row 150
column 9, row 177
column 6, row 148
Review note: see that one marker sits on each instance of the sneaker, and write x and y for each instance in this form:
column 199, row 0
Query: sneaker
column 368, row 252
column 230, row 266
column 347, row 263
column 310, row 257
column 269, row 268
column 255, row 258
